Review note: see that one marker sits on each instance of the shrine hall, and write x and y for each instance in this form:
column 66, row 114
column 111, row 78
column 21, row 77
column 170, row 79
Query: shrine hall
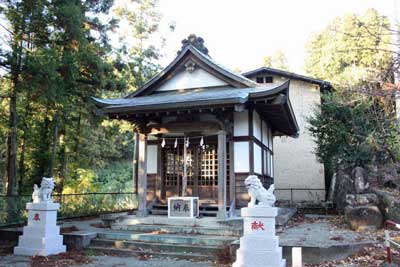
column 200, row 130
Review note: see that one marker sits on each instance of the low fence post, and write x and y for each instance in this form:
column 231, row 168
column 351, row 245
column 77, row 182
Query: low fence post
column 387, row 245
column 297, row 257
column 388, row 241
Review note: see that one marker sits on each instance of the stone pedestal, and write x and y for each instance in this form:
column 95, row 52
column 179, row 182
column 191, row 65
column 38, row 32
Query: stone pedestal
column 41, row 236
column 259, row 246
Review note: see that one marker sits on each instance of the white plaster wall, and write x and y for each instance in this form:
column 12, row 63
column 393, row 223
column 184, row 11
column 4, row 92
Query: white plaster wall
column 264, row 133
column 151, row 159
column 256, row 125
column 199, row 78
column 271, row 163
column 257, row 159
column 241, row 156
column 240, row 123
column 296, row 165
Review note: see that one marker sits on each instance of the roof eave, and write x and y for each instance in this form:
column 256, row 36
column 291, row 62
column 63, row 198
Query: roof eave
column 288, row 74
column 169, row 106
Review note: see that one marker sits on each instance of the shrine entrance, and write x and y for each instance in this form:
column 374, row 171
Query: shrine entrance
column 202, row 171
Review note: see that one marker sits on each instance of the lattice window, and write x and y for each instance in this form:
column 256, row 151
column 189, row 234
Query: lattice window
column 209, row 166
column 206, row 166
column 172, row 167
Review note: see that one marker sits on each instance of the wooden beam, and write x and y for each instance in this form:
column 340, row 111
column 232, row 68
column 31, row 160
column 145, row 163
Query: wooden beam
column 181, row 127
column 222, row 175
column 142, row 177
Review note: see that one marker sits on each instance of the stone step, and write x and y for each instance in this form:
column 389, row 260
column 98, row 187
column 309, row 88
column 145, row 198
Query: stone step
column 203, row 240
column 209, row 210
column 156, row 247
column 141, row 253
column 171, row 229
column 158, row 212
column 164, row 220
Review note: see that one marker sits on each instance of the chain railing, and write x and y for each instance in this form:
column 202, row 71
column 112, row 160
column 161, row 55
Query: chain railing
column 12, row 208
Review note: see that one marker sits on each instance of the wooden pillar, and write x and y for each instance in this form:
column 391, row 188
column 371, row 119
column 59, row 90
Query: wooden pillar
column 184, row 177
column 222, row 175
column 135, row 162
column 142, row 176
column 232, row 180
column 196, row 166
column 159, row 179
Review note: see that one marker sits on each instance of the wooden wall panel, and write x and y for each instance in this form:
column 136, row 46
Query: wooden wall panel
column 242, row 197
column 151, row 187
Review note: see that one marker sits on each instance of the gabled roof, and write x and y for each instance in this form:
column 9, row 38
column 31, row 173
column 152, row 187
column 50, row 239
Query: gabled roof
column 287, row 74
column 204, row 61
column 274, row 103
column 186, row 98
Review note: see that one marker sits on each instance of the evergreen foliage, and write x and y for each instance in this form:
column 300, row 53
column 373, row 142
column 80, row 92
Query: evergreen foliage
column 56, row 55
column 352, row 50
column 354, row 129
column 356, row 125
column 278, row 61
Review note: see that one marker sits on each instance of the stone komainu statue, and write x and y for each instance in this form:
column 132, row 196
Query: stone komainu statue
column 43, row 194
column 258, row 194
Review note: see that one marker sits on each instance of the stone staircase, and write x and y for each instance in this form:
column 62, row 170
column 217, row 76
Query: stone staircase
column 181, row 239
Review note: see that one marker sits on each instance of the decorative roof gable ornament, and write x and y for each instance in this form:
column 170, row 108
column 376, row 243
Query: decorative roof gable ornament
column 190, row 66
column 195, row 41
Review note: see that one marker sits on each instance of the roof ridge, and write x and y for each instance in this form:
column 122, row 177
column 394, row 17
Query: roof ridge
column 223, row 67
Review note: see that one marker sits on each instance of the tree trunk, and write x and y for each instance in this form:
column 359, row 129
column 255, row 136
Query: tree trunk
column 64, row 162
column 54, row 147
column 21, row 167
column 43, row 151
column 12, row 143
column 77, row 135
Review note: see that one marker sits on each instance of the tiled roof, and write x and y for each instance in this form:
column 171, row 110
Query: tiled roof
column 197, row 97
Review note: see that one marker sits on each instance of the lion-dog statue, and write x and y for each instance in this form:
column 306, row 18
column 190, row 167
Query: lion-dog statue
column 258, row 194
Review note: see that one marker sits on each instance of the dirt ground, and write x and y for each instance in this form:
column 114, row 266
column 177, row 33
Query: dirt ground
column 84, row 259
column 372, row 256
